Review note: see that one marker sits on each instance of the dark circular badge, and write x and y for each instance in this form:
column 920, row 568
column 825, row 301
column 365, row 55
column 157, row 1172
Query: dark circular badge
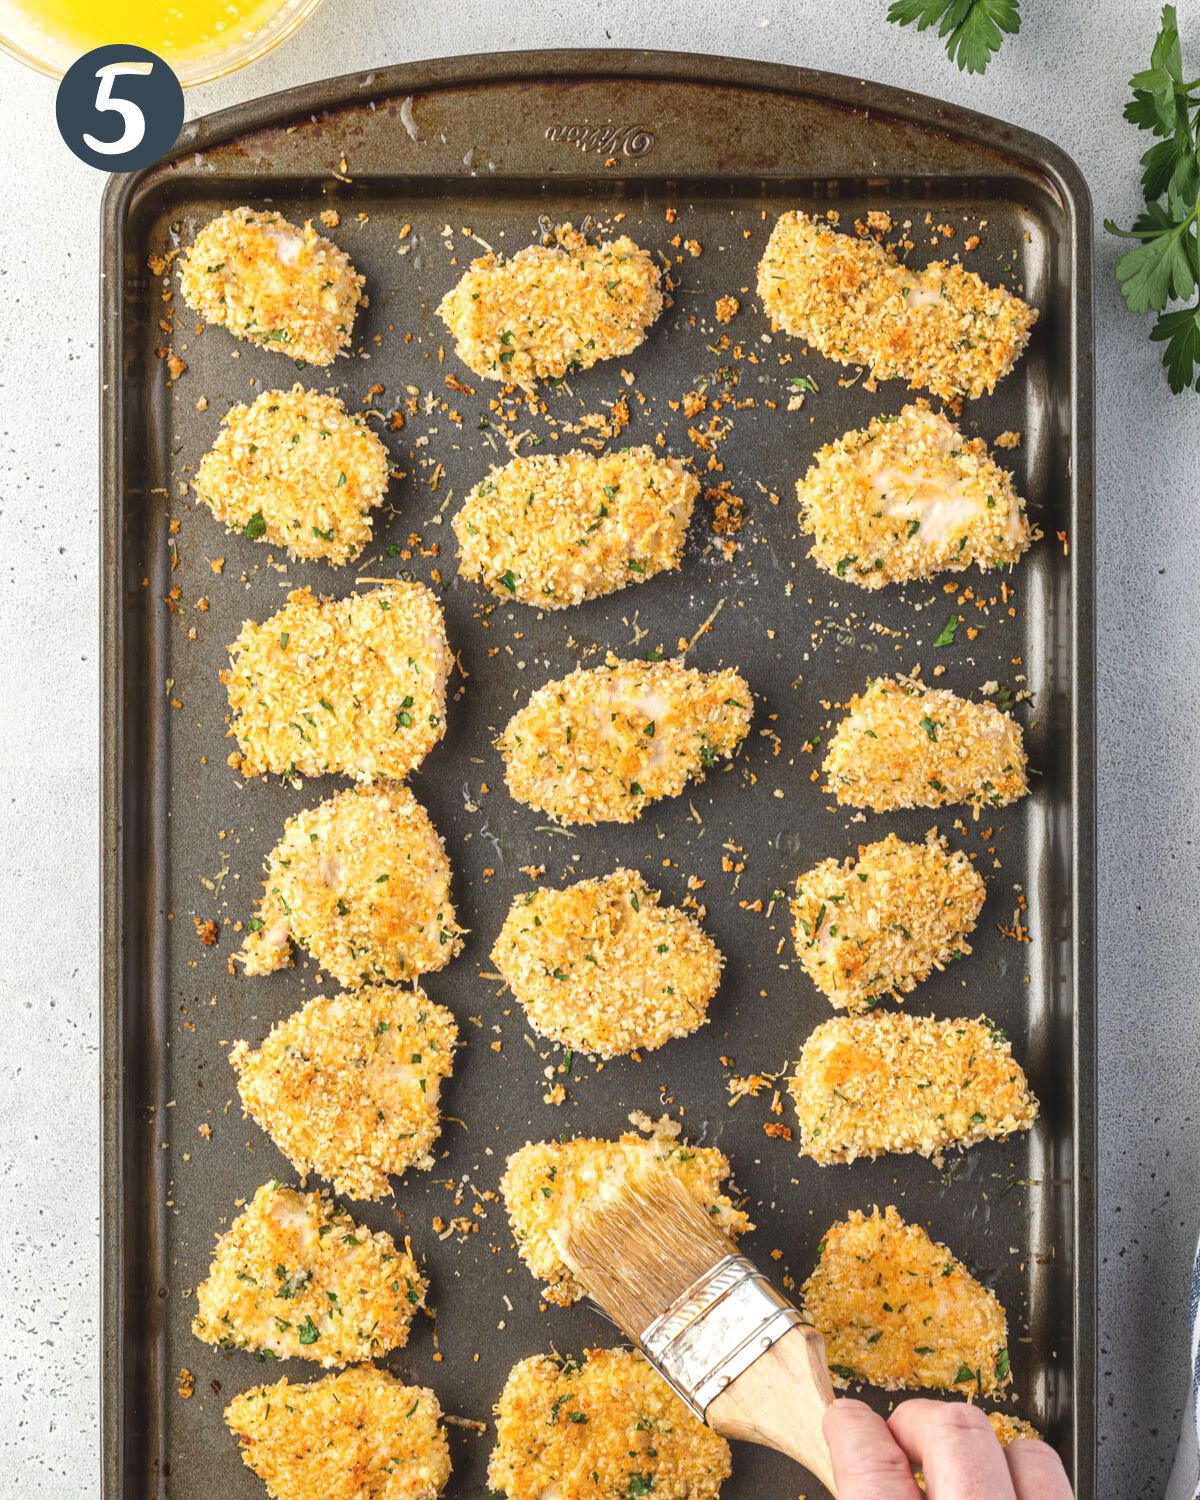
column 119, row 108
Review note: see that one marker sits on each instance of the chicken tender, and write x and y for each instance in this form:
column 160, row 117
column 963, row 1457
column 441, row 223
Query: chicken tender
column 599, row 745
column 880, row 924
column 904, row 745
column 545, row 1182
column 354, row 686
column 348, row 1086
column 362, row 882
column 358, row 1435
column 552, row 308
column 295, row 469
column 942, row 327
column 908, row 498
column 557, row 529
column 866, row 1085
column 296, row 1277
column 602, row 968
column 607, row 1427
column 897, row 1310
column 274, row 284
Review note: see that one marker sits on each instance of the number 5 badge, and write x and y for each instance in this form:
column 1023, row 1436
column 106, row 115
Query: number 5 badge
column 119, row 108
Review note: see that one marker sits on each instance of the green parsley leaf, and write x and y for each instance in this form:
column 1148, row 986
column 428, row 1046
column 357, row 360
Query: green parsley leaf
column 949, row 631
column 973, row 30
column 255, row 526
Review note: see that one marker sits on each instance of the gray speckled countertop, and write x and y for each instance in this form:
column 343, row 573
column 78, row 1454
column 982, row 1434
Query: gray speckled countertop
column 1064, row 76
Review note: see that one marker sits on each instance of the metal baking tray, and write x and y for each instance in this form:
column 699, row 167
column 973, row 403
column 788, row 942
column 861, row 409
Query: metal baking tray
column 493, row 145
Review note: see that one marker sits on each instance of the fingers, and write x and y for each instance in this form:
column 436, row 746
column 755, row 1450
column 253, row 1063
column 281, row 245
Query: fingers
column 955, row 1445
column 867, row 1464
column 1037, row 1471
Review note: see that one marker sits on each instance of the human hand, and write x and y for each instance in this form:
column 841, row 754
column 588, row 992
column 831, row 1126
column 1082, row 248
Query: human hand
column 951, row 1441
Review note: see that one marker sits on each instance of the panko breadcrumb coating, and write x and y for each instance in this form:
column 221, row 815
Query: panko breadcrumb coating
column 557, row 529
column 295, row 1277
column 269, row 282
column 942, row 327
column 866, row 1085
column 355, row 685
column 907, row 498
column 297, row 470
column 904, row 745
column 358, row 1435
column 552, row 308
column 879, row 924
column 607, row 1428
column 546, row 1181
column 362, row 882
column 348, row 1086
column 897, row 1310
column 602, row 968
column 599, row 745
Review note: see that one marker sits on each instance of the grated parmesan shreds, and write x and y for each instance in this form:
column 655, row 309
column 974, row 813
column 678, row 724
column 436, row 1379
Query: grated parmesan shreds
column 552, row 308
column 274, row 284
column 555, row 530
column 609, row 1426
column 349, row 1085
column 897, row 1310
column 941, row 327
column 296, row 470
column 362, row 882
column 354, row 686
column 357, row 1435
column 601, row 744
column 866, row 1085
column 295, row 1277
column 879, row 924
column 907, row 498
column 903, row 745
column 602, row 968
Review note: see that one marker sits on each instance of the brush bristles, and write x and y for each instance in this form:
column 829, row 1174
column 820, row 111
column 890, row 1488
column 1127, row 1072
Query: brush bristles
column 639, row 1244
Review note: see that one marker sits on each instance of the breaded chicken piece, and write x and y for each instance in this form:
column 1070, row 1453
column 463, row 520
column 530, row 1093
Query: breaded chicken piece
column 942, row 327
column 879, row 924
column 545, row 1182
column 609, row 1427
column 904, row 745
column 358, row 1435
column 599, row 745
column 354, row 686
column 602, row 968
column 348, row 1086
column 552, row 308
column 866, row 1085
column 297, row 470
column 362, row 882
column 274, row 284
column 897, row 1310
column 908, row 498
column 295, row 1276
column 557, row 529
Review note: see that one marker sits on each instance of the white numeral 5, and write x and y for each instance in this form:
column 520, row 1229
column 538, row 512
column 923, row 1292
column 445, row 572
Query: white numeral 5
column 135, row 120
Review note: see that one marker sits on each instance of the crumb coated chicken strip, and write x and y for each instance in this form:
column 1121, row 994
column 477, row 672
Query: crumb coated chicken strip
column 546, row 1182
column 867, row 1085
column 879, row 924
column 349, row 1085
column 296, row 470
column 354, row 686
column 609, row 1426
column 602, row 968
column 274, row 284
column 908, row 498
column 941, row 327
column 552, row 308
column 357, row 1435
column 557, row 529
column 601, row 744
column 904, row 745
column 295, row 1277
column 362, row 882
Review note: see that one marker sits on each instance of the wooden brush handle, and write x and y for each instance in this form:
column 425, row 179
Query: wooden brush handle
column 779, row 1402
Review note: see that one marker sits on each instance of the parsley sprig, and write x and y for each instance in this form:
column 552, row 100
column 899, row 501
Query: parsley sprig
column 973, row 30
